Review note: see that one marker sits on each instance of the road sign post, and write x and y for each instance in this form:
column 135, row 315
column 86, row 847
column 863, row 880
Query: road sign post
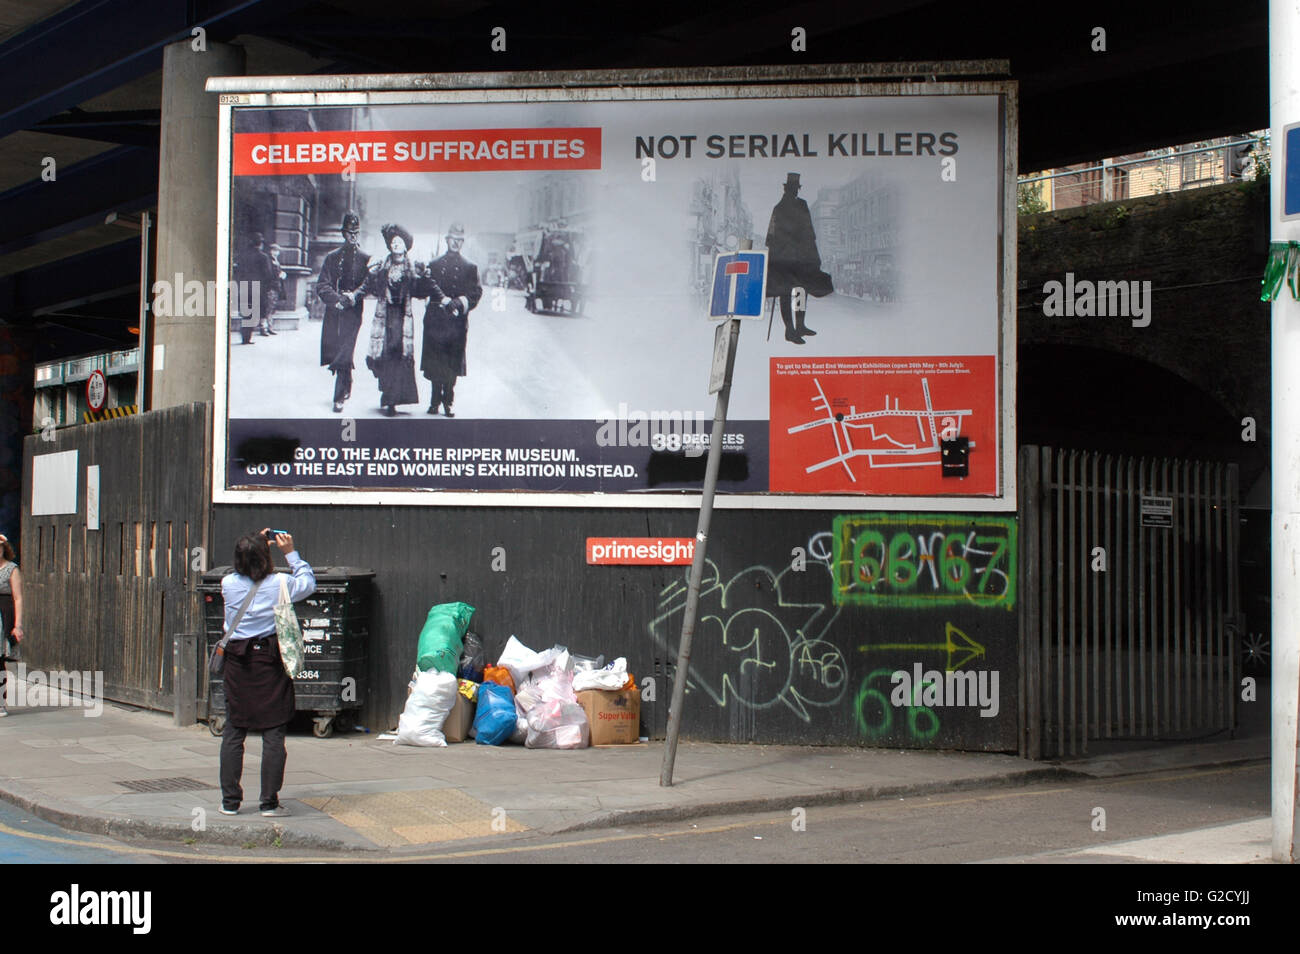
column 739, row 281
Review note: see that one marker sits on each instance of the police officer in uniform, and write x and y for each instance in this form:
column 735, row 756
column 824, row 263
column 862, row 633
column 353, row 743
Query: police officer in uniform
column 342, row 289
column 452, row 286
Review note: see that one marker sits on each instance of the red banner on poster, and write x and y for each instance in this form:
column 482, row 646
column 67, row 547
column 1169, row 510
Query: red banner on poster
column 420, row 150
column 879, row 425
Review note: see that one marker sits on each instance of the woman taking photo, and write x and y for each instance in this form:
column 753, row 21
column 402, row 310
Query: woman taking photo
column 11, row 610
column 259, row 693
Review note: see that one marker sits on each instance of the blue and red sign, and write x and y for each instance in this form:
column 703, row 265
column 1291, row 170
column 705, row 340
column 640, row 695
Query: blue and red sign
column 738, row 283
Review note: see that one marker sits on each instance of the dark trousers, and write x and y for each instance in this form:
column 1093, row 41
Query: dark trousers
column 444, row 392
column 232, row 764
column 795, row 325
column 342, row 384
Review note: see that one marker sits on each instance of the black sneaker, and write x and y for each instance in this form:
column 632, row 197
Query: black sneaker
column 229, row 809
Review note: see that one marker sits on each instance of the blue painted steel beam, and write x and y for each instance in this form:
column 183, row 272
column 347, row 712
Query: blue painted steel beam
column 94, row 46
column 120, row 180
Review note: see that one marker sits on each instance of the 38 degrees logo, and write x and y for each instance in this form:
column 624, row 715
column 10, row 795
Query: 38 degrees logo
column 75, row 907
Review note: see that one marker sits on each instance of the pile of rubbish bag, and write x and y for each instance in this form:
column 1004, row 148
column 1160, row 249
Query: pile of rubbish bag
column 526, row 697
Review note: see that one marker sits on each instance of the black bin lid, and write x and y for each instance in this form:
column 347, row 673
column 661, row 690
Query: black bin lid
column 324, row 574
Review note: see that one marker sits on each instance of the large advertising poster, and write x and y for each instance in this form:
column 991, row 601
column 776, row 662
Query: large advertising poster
column 509, row 297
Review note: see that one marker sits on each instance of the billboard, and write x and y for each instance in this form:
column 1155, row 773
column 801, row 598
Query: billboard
column 503, row 296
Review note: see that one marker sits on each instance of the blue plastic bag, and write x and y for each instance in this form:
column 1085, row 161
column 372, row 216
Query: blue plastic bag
column 494, row 722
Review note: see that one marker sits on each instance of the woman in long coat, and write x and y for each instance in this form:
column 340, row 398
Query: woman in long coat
column 391, row 355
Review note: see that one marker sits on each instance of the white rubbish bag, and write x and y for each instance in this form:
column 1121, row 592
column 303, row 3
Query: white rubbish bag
column 521, row 660
column 427, row 708
column 612, row 677
column 558, row 725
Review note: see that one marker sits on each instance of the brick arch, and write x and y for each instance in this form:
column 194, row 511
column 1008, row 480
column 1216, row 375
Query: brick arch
column 1098, row 399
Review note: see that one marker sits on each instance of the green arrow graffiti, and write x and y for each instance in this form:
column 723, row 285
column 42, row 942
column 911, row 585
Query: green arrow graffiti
column 967, row 648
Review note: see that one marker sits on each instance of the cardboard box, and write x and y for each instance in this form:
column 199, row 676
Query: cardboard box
column 461, row 717
column 615, row 717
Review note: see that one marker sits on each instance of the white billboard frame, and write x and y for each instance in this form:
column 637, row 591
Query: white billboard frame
column 840, row 80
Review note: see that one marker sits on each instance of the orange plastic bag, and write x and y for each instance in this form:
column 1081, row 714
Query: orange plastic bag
column 630, row 684
column 501, row 676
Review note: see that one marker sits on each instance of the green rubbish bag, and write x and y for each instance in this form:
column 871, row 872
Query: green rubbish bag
column 442, row 639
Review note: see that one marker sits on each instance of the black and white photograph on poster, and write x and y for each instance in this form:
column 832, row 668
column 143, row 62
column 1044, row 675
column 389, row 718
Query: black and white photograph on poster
column 509, row 296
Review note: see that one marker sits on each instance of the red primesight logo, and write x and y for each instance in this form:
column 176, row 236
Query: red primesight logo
column 640, row 551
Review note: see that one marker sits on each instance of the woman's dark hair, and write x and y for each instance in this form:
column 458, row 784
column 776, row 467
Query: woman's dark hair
column 7, row 551
column 253, row 557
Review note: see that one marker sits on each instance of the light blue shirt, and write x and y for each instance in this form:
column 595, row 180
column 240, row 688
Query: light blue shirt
column 259, row 618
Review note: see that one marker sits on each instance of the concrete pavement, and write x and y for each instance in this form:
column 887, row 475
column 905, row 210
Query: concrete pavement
column 130, row 773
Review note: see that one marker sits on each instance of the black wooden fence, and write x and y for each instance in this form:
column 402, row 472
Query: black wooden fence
column 1130, row 598
column 112, row 599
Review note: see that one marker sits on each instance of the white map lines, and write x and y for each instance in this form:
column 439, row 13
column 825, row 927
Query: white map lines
column 925, row 452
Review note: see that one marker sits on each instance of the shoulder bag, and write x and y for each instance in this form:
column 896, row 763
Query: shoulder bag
column 217, row 661
column 287, row 631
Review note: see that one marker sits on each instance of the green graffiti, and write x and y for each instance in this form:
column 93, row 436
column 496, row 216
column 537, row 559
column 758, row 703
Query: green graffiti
column 873, row 730
column 957, row 646
column 916, row 713
column 922, row 560
column 914, row 716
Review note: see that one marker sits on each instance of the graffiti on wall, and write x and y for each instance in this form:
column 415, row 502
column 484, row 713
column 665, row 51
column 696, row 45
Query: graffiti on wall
column 875, row 711
column 924, row 560
column 756, row 644
column 769, row 638
column 957, row 647
column 885, row 690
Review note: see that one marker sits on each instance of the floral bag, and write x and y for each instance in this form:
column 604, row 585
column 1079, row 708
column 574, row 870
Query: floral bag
column 287, row 631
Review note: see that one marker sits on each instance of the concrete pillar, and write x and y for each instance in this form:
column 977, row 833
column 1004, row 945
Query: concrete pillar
column 187, row 216
column 1284, row 108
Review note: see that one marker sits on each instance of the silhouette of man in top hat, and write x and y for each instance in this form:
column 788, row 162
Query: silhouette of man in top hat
column 793, row 259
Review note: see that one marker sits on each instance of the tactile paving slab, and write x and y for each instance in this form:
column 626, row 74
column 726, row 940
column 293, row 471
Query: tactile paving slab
column 395, row 819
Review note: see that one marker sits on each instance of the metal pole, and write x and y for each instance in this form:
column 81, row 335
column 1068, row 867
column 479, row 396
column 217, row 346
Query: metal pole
column 697, row 564
column 1284, row 108
column 144, row 360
